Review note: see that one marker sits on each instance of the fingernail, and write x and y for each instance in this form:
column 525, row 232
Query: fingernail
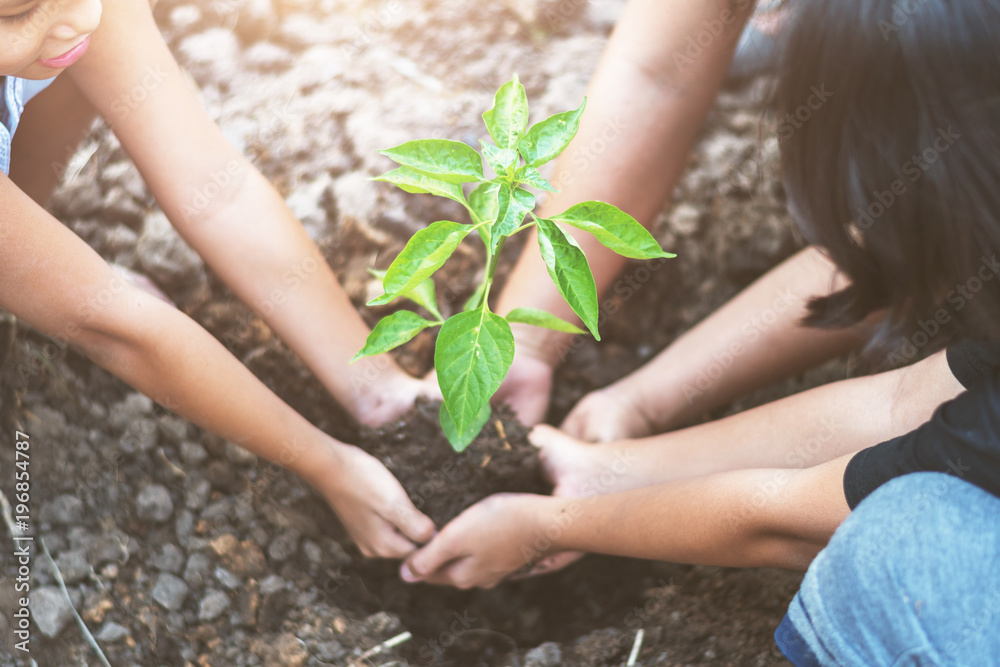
column 407, row 575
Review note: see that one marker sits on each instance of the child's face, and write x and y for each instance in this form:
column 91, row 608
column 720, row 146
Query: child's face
column 40, row 38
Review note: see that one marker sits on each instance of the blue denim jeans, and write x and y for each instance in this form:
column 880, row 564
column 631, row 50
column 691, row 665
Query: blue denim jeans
column 911, row 578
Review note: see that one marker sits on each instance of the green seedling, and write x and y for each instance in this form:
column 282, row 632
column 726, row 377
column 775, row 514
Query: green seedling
column 475, row 347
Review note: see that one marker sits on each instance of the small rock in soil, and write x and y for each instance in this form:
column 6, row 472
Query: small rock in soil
column 135, row 406
column 266, row 57
column 284, row 545
column 290, row 651
column 65, row 510
column 255, row 20
column 241, row 558
column 246, row 605
column 140, row 435
column 154, row 503
column 272, row 584
column 197, row 569
column 273, row 609
column 545, row 655
column 111, row 549
column 330, row 651
column 183, row 526
column 196, row 493
column 50, row 609
column 227, row 578
column 312, row 552
column 73, row 565
column 173, row 428
column 112, row 632
column 212, row 55
column 240, row 455
column 170, row 591
column 192, row 453
column 165, row 256
column 170, row 559
column 212, row 605
column 49, row 426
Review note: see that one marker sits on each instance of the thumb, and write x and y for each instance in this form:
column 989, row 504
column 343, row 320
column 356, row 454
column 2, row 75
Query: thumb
column 411, row 522
column 542, row 435
column 424, row 562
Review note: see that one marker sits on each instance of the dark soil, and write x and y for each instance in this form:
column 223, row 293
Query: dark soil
column 442, row 483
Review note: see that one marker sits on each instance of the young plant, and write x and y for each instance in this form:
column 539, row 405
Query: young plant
column 475, row 348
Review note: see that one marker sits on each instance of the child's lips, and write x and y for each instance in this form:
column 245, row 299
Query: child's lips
column 68, row 58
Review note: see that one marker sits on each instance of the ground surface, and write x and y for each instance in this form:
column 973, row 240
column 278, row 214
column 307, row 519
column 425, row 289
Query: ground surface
column 179, row 548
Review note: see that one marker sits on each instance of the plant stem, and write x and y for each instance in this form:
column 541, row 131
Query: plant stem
column 522, row 228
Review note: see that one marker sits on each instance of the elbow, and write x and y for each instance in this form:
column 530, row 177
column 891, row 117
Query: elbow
column 121, row 334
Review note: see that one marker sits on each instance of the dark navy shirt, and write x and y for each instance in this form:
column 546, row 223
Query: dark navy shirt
column 962, row 438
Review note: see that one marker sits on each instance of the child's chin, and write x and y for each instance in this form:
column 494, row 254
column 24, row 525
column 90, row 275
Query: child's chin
column 36, row 72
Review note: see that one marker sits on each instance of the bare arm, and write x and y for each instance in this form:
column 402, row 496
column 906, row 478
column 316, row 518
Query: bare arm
column 800, row 431
column 56, row 283
column 764, row 487
column 647, row 101
column 745, row 518
column 753, row 340
column 229, row 213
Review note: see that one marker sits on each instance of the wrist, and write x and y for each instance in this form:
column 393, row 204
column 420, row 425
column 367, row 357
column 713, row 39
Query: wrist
column 539, row 344
column 629, row 392
column 319, row 462
column 550, row 522
column 380, row 392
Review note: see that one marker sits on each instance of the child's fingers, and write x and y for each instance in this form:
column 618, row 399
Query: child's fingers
column 543, row 434
column 414, row 524
column 551, row 564
column 423, row 564
column 390, row 544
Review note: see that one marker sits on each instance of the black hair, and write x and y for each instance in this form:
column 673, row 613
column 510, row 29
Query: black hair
column 889, row 123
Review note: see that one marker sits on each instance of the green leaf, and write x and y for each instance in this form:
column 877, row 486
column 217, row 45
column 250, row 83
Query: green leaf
column 445, row 160
column 424, row 295
column 483, row 200
column 501, row 160
column 614, row 228
column 548, row 138
column 513, row 206
column 460, row 441
column 509, row 116
column 570, row 272
column 530, row 176
column 425, row 253
column 412, row 181
column 540, row 318
column 473, row 354
column 392, row 331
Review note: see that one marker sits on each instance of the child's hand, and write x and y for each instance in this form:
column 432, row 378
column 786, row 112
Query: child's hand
column 606, row 415
column 372, row 504
column 580, row 469
column 526, row 388
column 485, row 543
column 391, row 397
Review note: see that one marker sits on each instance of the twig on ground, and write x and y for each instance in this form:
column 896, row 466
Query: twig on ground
column 636, row 648
column 8, row 518
column 79, row 620
column 392, row 642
